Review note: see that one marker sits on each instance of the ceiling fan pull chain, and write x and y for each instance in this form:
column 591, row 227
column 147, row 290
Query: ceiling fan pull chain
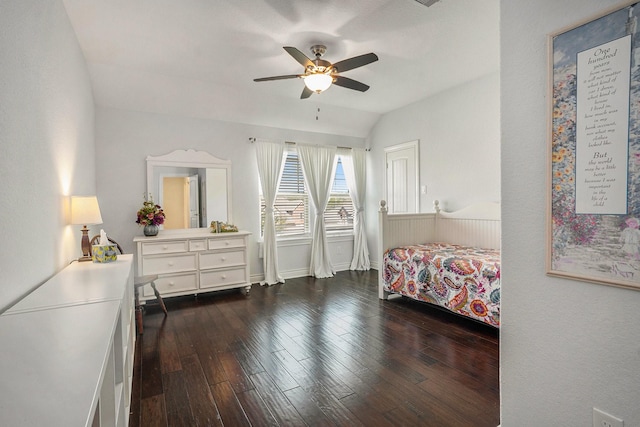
column 317, row 113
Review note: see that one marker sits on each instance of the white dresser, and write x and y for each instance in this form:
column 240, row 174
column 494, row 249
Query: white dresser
column 67, row 349
column 193, row 261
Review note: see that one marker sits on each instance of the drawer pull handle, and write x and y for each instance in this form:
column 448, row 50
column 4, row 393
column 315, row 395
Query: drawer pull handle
column 171, row 264
column 165, row 247
column 224, row 276
column 223, row 259
column 171, row 283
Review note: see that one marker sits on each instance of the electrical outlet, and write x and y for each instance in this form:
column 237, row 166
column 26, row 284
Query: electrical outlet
column 602, row 419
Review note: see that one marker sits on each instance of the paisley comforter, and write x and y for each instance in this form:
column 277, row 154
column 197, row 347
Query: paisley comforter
column 462, row 279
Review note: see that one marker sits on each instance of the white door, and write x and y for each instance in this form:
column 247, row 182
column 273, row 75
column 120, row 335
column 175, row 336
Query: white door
column 401, row 189
column 194, row 202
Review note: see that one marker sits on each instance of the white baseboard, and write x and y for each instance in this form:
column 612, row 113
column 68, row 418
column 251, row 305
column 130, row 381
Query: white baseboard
column 256, row 278
column 292, row 274
column 300, row 272
column 288, row 274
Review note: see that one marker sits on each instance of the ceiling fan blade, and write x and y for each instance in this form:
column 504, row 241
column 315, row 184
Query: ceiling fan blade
column 306, row 92
column 299, row 56
column 289, row 76
column 350, row 83
column 355, row 62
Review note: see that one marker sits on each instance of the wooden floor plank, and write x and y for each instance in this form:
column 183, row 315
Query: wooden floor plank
column 136, row 388
column 278, row 404
column 321, row 371
column 201, row 401
column 313, row 352
column 367, row 414
column 231, row 411
column 308, row 408
column 272, row 366
column 183, row 341
column 150, row 366
column 256, row 410
column 178, row 407
column 333, row 408
column 237, row 377
column 153, row 412
column 211, row 365
column 169, row 355
column 250, row 365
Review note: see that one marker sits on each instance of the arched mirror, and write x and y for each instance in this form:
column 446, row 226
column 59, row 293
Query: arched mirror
column 193, row 187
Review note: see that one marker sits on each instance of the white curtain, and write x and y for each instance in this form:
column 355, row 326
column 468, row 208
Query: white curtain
column 354, row 165
column 318, row 167
column 270, row 158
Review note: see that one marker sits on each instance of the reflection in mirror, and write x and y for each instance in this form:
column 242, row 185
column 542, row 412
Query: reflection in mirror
column 193, row 188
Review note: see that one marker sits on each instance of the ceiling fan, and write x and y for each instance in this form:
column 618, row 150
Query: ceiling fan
column 320, row 74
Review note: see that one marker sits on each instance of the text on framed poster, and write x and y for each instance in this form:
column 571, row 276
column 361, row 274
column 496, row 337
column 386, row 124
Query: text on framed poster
column 602, row 123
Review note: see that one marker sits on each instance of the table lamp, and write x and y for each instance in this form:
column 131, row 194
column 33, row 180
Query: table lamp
column 85, row 210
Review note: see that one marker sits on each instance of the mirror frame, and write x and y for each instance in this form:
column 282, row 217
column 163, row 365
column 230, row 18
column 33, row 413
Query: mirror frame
column 190, row 159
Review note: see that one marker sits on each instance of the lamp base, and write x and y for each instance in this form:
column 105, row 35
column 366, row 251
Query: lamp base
column 86, row 246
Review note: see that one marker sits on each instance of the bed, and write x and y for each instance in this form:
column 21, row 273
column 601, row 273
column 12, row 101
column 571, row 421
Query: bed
column 449, row 259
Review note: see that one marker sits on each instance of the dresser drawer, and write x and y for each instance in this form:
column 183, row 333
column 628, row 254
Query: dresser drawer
column 169, row 264
column 219, row 278
column 231, row 242
column 222, row 259
column 173, row 283
column 197, row 245
column 172, row 247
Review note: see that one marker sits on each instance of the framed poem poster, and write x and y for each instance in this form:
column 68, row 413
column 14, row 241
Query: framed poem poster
column 593, row 219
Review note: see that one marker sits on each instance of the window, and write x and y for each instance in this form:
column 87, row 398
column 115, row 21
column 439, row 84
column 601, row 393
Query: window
column 291, row 207
column 339, row 212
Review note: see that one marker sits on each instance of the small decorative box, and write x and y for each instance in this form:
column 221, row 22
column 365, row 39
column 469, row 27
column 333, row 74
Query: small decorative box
column 104, row 253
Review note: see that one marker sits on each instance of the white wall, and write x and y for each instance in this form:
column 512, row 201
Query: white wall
column 459, row 133
column 125, row 138
column 566, row 346
column 46, row 140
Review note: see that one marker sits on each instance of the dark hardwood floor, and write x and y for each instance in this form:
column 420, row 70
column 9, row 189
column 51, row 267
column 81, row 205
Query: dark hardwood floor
column 313, row 352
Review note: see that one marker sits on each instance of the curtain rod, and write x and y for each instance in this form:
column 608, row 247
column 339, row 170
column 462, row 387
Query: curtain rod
column 253, row 139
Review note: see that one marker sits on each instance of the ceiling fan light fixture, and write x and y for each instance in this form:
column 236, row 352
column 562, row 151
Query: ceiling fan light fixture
column 318, row 82
column 319, row 74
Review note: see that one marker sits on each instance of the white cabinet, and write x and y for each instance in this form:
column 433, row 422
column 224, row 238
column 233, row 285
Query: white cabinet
column 193, row 261
column 67, row 349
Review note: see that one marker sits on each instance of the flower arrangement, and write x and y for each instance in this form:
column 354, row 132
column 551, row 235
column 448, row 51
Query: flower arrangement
column 222, row 227
column 150, row 214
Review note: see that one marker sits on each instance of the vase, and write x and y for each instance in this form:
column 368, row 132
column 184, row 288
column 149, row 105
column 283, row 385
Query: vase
column 151, row 230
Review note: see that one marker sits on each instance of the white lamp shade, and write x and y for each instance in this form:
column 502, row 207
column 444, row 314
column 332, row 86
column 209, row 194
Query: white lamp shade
column 318, row 82
column 85, row 210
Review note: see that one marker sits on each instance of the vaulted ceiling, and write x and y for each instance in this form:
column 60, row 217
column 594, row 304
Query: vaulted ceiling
column 198, row 58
